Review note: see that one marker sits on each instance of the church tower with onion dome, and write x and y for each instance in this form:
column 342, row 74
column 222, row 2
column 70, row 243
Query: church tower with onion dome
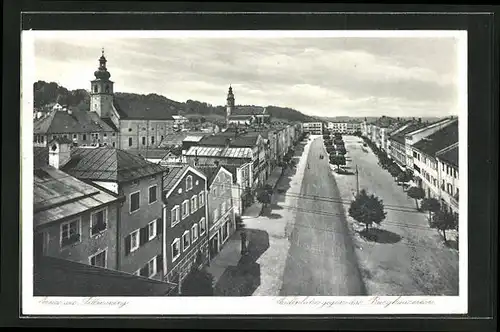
column 229, row 104
column 101, row 93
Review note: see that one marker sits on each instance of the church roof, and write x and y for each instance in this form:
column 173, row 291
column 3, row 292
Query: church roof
column 59, row 121
column 143, row 108
column 248, row 110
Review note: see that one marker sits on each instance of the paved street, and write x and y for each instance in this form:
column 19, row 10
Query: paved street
column 321, row 259
column 409, row 258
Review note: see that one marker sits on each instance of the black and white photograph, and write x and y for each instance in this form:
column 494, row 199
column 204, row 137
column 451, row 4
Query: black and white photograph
column 244, row 172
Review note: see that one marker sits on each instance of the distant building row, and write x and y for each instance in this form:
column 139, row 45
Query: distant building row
column 429, row 150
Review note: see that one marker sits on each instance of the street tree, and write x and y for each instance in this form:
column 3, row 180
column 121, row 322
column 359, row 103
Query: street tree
column 416, row 193
column 430, row 204
column 401, row 177
column 394, row 170
column 341, row 150
column 367, row 209
column 338, row 160
column 443, row 221
column 264, row 198
column 330, row 149
column 325, row 137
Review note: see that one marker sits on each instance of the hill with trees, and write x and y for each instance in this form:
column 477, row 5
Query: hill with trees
column 46, row 93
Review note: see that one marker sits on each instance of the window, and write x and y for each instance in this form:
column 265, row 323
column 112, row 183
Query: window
column 130, row 141
column 143, row 140
column 152, row 230
column 174, row 215
column 98, row 222
column 152, row 194
column 113, row 144
column 105, row 135
column 189, row 183
column 194, row 203
column 70, row 232
column 152, row 140
column 84, row 137
column 216, row 215
column 134, row 201
column 176, row 249
column 455, row 173
column 185, row 209
column 201, row 199
column 107, row 88
column 134, row 240
column 75, row 136
column 161, row 137
column 129, row 129
column 99, row 259
column 151, row 266
column 229, row 205
column 113, row 134
column 194, row 233
column 185, row 240
column 225, row 231
column 223, row 207
column 214, row 191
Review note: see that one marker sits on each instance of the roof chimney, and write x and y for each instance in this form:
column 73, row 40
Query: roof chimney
column 419, row 120
column 59, row 152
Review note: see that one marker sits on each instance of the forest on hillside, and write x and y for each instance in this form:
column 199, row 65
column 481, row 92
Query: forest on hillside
column 46, row 93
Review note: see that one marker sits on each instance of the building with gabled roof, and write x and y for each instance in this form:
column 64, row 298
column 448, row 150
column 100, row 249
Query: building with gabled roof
column 221, row 212
column 74, row 220
column 436, row 176
column 397, row 147
column 81, row 127
column 139, row 182
column 185, row 244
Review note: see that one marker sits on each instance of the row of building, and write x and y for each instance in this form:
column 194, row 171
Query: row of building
column 111, row 198
column 341, row 127
column 429, row 150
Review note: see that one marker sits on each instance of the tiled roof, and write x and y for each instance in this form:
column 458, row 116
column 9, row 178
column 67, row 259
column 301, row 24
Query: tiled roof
column 400, row 135
column 240, row 117
column 108, row 164
column 57, row 195
column 58, row 277
column 40, row 156
column 142, row 109
column 223, row 152
column 172, row 176
column 248, row 110
column 222, row 140
column 76, row 122
column 438, row 140
column 450, row 156
column 150, row 153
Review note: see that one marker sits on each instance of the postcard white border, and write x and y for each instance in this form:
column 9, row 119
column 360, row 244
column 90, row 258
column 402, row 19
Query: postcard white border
column 262, row 305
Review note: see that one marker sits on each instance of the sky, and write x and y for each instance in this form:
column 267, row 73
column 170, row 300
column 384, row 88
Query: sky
column 341, row 76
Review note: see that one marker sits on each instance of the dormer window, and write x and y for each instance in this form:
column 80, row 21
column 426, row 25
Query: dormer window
column 54, row 147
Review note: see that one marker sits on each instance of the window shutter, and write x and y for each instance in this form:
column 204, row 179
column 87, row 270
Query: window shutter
column 144, row 271
column 143, row 235
column 159, row 226
column 159, row 262
column 127, row 245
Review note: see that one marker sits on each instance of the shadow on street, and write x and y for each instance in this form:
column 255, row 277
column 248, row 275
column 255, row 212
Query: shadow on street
column 380, row 236
column 244, row 278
